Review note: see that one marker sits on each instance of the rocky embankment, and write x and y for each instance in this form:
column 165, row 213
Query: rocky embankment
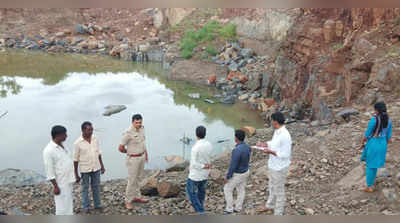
column 325, row 178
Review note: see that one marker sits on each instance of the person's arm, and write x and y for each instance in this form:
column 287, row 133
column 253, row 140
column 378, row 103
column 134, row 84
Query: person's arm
column 77, row 177
column 76, row 161
column 273, row 145
column 50, row 172
column 146, row 155
column 234, row 163
column 124, row 141
column 389, row 132
column 103, row 170
column 194, row 160
column 369, row 131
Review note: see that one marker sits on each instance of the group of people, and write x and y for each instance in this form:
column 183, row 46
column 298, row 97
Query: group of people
column 86, row 166
column 279, row 149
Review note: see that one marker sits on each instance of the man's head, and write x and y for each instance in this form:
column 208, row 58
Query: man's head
column 240, row 135
column 278, row 120
column 87, row 129
column 201, row 132
column 137, row 121
column 59, row 133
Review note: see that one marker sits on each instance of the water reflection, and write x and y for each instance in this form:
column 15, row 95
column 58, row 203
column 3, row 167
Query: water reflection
column 75, row 93
column 9, row 86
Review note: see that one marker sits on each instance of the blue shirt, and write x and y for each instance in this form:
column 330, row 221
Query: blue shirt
column 240, row 159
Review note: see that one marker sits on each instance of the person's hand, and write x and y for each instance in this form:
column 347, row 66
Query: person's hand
column 122, row 149
column 260, row 144
column 77, row 178
column 268, row 151
column 226, row 181
column 146, row 157
column 102, row 170
column 207, row 166
column 56, row 190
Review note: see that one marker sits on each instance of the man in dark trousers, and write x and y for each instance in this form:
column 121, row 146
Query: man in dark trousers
column 238, row 174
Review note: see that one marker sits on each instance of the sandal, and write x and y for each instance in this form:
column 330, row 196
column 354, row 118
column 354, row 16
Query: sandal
column 140, row 200
column 262, row 208
column 368, row 189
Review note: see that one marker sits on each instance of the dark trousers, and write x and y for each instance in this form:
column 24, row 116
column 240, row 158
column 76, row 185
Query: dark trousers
column 92, row 178
column 196, row 190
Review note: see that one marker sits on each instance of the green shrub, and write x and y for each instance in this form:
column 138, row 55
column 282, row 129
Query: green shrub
column 228, row 31
column 204, row 56
column 207, row 33
column 211, row 50
column 187, row 53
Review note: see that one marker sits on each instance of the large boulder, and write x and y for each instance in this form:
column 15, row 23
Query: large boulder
column 250, row 131
column 176, row 163
column 176, row 15
column 168, row 189
column 273, row 24
column 155, row 54
column 150, row 187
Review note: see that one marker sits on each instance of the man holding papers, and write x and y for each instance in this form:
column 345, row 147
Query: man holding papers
column 279, row 150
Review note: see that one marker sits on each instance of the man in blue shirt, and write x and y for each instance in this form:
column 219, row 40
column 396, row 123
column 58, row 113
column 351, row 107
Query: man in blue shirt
column 238, row 174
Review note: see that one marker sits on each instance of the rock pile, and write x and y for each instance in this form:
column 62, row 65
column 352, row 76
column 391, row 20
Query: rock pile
column 91, row 39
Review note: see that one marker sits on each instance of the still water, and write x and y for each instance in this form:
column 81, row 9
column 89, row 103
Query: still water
column 41, row 90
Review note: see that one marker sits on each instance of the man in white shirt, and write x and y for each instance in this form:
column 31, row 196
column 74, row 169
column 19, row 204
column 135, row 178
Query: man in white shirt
column 199, row 170
column 87, row 155
column 279, row 150
column 60, row 170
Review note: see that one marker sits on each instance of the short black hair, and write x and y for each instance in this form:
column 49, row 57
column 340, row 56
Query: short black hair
column 57, row 130
column 240, row 134
column 279, row 117
column 85, row 124
column 201, row 132
column 137, row 117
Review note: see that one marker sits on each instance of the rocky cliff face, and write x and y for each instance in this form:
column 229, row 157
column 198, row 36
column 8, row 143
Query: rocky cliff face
column 323, row 58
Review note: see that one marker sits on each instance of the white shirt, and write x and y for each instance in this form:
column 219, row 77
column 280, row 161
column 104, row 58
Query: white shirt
column 58, row 164
column 281, row 143
column 200, row 156
column 87, row 154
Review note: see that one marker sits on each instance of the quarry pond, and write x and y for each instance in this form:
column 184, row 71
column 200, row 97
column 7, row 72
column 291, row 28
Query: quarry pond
column 39, row 90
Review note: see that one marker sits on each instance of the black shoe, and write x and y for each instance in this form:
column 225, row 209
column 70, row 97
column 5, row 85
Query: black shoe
column 227, row 213
column 99, row 208
column 235, row 211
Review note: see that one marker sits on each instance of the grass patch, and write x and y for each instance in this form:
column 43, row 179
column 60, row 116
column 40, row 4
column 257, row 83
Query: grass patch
column 336, row 46
column 210, row 49
column 208, row 33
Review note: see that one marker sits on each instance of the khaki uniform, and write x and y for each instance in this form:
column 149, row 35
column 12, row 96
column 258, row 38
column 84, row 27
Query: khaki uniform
column 135, row 142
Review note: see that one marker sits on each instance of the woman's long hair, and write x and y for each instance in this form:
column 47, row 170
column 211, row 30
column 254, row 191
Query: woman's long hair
column 382, row 118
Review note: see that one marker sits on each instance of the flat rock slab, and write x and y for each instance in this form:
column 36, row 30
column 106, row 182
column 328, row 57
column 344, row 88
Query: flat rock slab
column 354, row 178
column 20, row 177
